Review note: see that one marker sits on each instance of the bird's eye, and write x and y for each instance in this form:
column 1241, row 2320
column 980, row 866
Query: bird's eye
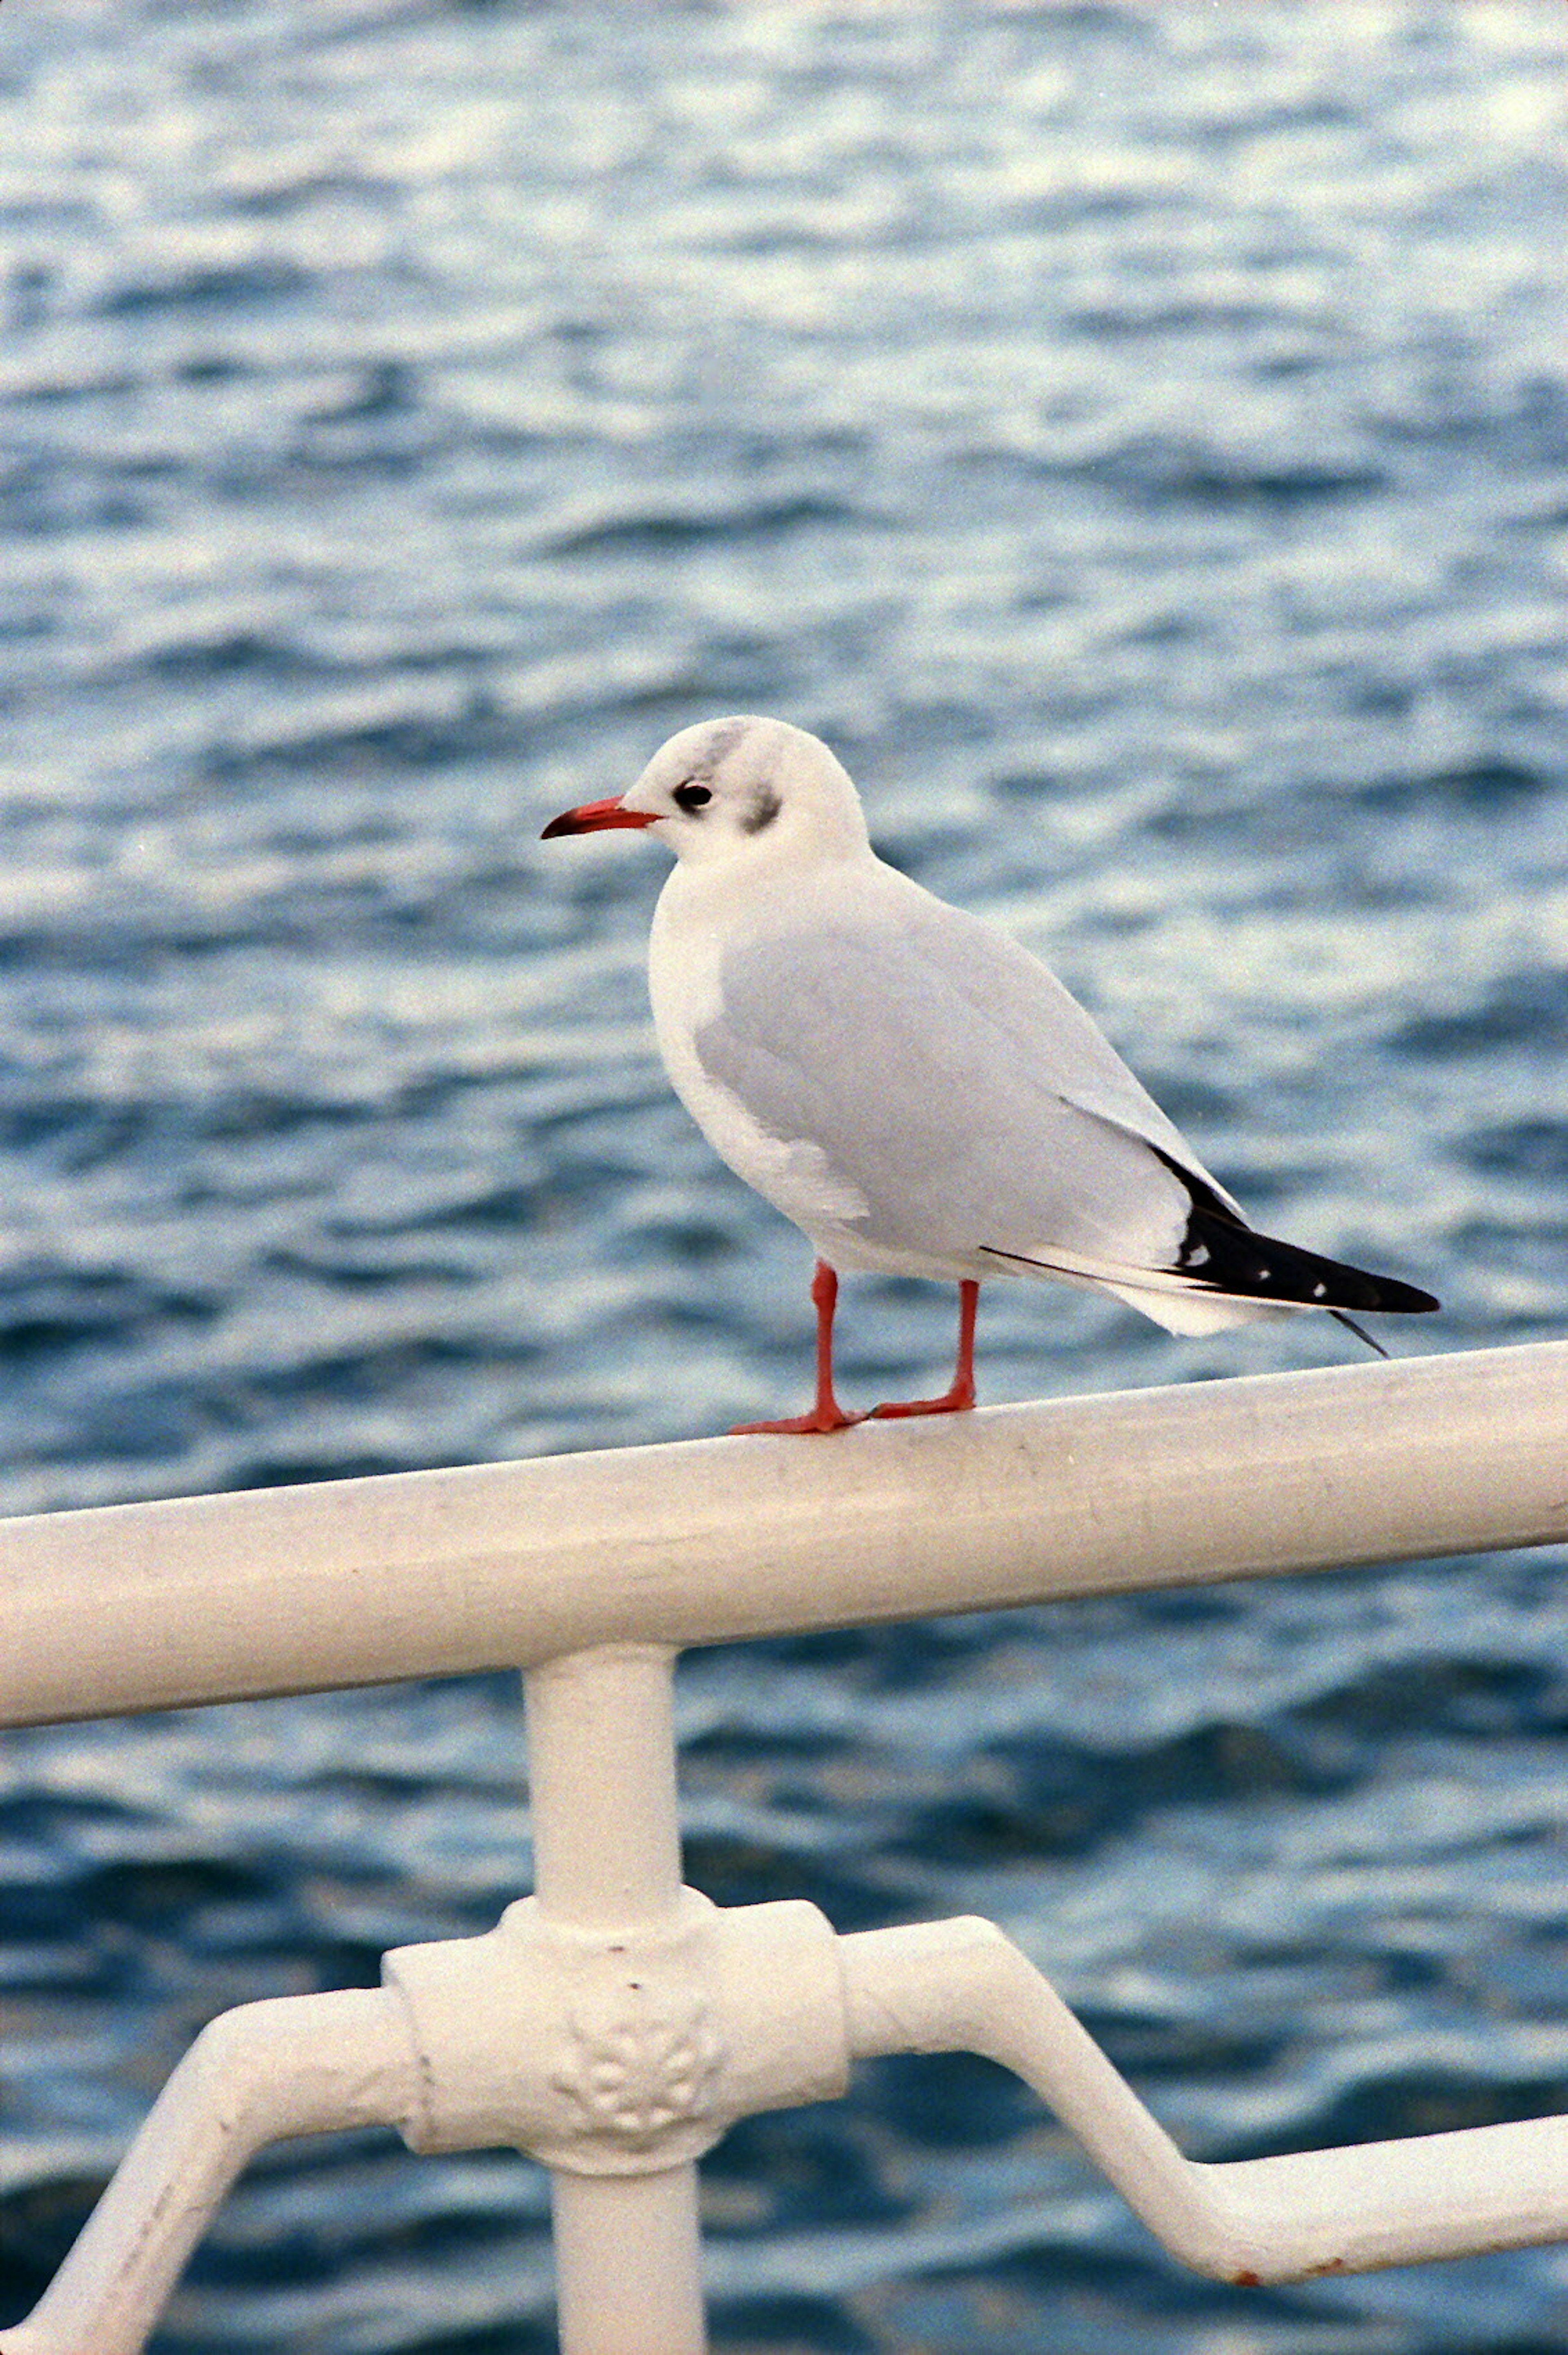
column 692, row 797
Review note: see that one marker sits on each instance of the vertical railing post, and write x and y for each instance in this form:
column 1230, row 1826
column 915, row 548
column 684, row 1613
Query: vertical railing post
column 602, row 1776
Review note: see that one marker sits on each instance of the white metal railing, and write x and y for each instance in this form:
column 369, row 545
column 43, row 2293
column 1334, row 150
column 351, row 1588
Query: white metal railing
column 614, row 2024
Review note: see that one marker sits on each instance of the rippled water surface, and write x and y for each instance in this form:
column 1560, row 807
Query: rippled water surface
column 1137, row 437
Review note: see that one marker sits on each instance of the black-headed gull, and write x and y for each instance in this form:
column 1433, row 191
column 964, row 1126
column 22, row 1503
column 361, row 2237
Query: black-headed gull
column 913, row 1089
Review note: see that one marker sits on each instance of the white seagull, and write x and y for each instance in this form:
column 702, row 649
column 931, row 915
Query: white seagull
column 912, row 1089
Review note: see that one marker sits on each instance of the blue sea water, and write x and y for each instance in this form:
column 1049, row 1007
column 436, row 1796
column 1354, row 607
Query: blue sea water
column 1136, row 436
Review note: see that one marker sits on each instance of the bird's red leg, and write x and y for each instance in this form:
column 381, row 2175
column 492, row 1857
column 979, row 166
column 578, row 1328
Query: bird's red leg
column 826, row 1414
column 961, row 1395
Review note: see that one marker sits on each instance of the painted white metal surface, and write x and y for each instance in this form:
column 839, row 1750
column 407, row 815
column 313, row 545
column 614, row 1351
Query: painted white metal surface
column 615, row 2024
column 297, row 2065
column 358, row 1582
column 601, row 1781
column 480, row 2041
column 961, row 1986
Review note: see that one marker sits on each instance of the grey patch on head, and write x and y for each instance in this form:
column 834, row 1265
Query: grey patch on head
column 719, row 745
column 761, row 810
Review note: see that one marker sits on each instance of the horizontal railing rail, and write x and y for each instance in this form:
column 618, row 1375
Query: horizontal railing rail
column 614, row 2024
column 126, row 1607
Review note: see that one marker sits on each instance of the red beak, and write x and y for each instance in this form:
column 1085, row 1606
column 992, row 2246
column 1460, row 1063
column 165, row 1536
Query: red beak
column 593, row 817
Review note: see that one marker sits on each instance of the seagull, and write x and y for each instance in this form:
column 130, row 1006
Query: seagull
column 909, row 1086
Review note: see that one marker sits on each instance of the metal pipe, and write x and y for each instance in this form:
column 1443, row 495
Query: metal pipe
column 627, row 2264
column 601, row 1782
column 602, row 1788
column 962, row 1986
column 358, row 1582
column 943, row 1986
column 292, row 2065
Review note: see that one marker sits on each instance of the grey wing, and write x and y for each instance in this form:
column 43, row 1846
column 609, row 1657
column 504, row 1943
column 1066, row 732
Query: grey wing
column 948, row 1078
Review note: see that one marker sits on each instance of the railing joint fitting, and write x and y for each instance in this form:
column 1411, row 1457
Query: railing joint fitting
column 624, row 2049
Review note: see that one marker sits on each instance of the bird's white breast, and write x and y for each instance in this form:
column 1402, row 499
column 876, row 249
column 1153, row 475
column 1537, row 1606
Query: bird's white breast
column 685, row 960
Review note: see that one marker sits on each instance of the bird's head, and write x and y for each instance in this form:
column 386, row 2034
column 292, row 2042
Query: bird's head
column 727, row 787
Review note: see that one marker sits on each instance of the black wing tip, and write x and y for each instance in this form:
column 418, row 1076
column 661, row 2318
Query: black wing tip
column 1218, row 1254
column 1405, row 1299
